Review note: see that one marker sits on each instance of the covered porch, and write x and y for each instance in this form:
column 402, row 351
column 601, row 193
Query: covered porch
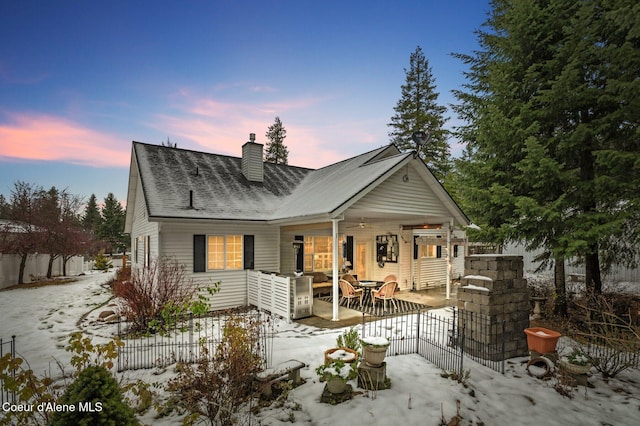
column 426, row 254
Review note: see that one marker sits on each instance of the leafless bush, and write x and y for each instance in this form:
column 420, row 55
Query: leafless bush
column 611, row 335
column 219, row 384
column 154, row 293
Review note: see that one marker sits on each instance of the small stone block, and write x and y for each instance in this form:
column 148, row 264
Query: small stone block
column 373, row 378
column 336, row 398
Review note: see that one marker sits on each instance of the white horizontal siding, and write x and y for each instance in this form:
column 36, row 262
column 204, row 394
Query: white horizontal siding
column 176, row 241
column 141, row 227
column 433, row 272
column 395, row 195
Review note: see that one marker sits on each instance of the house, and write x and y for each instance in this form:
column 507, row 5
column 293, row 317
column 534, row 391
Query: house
column 379, row 213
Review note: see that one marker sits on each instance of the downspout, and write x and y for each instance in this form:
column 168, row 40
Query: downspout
column 336, row 277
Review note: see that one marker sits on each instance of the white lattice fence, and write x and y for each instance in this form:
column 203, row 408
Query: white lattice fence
column 270, row 292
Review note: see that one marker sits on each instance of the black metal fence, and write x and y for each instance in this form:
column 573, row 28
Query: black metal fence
column 187, row 337
column 442, row 340
column 7, row 347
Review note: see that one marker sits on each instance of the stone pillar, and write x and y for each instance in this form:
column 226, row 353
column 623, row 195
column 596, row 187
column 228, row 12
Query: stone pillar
column 493, row 303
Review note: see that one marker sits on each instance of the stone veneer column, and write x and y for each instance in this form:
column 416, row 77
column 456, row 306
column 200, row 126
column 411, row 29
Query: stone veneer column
column 494, row 291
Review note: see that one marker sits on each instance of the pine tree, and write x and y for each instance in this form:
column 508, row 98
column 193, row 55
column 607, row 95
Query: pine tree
column 112, row 227
column 418, row 110
column 91, row 219
column 276, row 151
column 97, row 400
column 552, row 147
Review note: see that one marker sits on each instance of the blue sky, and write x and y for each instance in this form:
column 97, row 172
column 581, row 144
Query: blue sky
column 79, row 80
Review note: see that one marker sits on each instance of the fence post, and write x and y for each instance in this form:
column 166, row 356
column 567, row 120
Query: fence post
column 418, row 335
column 503, row 344
column 192, row 349
column 464, row 326
column 119, row 349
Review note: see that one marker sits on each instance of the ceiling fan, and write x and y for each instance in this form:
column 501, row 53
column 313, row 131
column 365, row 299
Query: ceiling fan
column 360, row 225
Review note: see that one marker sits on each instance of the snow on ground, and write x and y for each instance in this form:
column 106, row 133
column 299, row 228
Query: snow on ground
column 42, row 318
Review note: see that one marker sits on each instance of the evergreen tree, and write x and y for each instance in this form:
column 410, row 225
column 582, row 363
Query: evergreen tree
column 91, row 219
column 112, row 227
column 418, row 110
column 552, row 131
column 276, row 151
column 97, row 389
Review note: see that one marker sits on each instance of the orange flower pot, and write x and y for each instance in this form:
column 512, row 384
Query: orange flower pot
column 542, row 340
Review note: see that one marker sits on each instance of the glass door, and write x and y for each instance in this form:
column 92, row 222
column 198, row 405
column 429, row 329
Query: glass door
column 362, row 259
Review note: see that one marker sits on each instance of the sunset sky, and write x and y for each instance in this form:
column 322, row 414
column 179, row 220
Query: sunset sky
column 79, row 80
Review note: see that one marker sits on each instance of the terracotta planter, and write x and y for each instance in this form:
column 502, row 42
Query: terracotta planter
column 345, row 355
column 336, row 385
column 542, row 340
column 374, row 355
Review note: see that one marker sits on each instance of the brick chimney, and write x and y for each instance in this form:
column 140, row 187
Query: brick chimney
column 252, row 165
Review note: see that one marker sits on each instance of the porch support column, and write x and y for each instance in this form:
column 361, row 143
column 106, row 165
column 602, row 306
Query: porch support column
column 336, row 272
column 449, row 266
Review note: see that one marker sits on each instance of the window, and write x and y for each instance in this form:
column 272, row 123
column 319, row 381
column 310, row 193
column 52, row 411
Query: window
column 430, row 251
column 215, row 252
column 234, row 252
column 318, row 254
column 142, row 250
column 222, row 252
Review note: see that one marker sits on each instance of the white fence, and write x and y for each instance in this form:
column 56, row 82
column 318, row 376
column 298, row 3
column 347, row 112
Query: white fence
column 617, row 273
column 35, row 268
column 269, row 292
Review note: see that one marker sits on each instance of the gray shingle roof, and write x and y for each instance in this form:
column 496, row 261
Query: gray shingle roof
column 327, row 189
column 220, row 190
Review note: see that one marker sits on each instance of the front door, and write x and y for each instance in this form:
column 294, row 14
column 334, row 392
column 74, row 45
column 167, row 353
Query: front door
column 362, row 259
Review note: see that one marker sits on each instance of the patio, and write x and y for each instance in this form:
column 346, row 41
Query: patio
column 323, row 314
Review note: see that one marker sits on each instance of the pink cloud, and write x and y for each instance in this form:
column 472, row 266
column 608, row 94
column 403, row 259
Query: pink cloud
column 50, row 138
column 223, row 126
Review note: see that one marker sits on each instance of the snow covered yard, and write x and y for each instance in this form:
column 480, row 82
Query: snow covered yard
column 42, row 319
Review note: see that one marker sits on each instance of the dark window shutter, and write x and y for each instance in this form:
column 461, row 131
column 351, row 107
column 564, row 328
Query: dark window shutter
column 348, row 252
column 247, row 251
column 199, row 253
column 415, row 247
column 438, row 252
column 300, row 258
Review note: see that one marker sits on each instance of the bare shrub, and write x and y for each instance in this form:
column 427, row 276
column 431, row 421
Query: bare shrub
column 155, row 293
column 219, row 384
column 123, row 274
column 610, row 332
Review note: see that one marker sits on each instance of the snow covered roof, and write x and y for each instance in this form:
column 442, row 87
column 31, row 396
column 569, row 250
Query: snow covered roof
column 180, row 183
column 329, row 189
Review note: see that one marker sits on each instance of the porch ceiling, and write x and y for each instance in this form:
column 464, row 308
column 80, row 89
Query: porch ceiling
column 373, row 217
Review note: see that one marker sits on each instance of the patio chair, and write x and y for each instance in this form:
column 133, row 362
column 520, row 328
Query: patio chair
column 385, row 293
column 350, row 279
column 350, row 292
column 392, row 277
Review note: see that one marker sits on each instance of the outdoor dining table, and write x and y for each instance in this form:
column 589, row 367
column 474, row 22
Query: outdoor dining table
column 367, row 286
